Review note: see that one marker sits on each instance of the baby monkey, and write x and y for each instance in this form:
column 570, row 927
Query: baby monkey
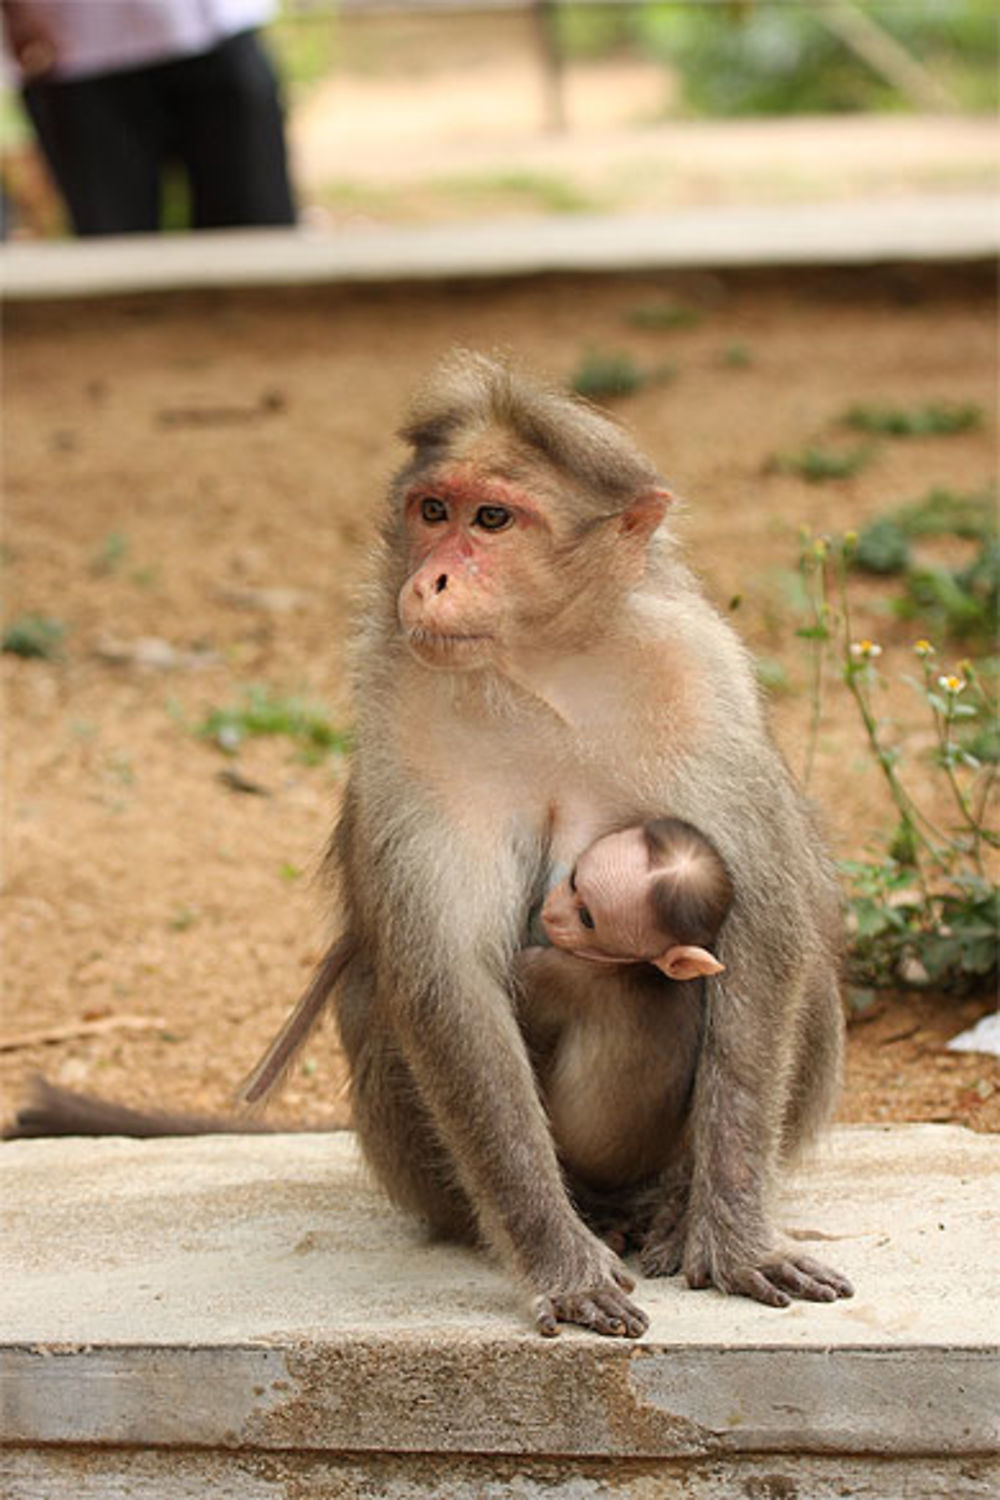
column 613, row 1030
column 655, row 892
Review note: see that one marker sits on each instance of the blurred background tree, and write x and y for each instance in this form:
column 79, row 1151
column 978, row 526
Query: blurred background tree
column 781, row 57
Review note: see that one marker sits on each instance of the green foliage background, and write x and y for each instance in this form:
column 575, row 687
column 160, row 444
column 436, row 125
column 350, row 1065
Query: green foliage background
column 777, row 57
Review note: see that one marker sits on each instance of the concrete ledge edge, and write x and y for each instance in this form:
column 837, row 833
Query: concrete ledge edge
column 580, row 1397
column 856, row 232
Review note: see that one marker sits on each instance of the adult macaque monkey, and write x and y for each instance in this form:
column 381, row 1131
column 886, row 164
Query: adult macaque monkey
column 534, row 659
column 535, row 666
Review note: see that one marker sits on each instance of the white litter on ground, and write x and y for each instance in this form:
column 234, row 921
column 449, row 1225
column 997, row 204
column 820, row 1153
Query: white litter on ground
column 983, row 1037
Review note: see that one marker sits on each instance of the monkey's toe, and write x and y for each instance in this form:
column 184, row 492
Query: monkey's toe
column 604, row 1311
column 776, row 1281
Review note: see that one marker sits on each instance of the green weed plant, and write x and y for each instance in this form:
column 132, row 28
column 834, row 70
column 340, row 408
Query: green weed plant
column 924, row 909
column 816, row 465
column 938, row 419
column 601, row 376
column 261, row 712
column 34, row 636
column 959, row 602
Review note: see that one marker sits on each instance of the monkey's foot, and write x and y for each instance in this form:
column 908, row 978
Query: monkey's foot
column 663, row 1245
column 774, row 1280
column 662, row 1251
column 604, row 1309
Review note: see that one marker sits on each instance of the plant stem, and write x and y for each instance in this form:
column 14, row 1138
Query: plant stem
column 908, row 809
column 943, row 725
column 820, row 612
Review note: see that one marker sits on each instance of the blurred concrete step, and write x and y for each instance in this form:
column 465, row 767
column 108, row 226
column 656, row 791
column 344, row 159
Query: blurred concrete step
column 246, row 1316
column 957, row 226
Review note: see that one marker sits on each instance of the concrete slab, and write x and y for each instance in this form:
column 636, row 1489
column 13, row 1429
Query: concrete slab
column 946, row 227
column 231, row 1298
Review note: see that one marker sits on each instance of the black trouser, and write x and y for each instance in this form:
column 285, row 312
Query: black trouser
column 108, row 138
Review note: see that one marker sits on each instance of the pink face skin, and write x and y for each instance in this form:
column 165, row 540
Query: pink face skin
column 482, row 573
column 472, row 540
column 602, row 911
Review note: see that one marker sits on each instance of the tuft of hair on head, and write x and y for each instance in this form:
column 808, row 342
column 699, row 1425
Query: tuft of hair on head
column 470, row 390
column 691, row 897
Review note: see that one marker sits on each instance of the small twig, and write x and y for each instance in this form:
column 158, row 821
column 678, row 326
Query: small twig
column 899, row 1036
column 100, row 1027
column 234, row 779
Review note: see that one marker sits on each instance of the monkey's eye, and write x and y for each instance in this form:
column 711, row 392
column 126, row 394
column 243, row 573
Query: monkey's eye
column 493, row 517
column 433, row 511
column 586, row 920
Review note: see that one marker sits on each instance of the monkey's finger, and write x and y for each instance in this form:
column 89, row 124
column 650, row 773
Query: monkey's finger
column 606, row 1313
column 586, row 1311
column 600, row 1313
column 582, row 1310
column 631, row 1320
column 624, row 1280
column 545, row 1318
column 791, row 1278
column 825, row 1275
column 755, row 1284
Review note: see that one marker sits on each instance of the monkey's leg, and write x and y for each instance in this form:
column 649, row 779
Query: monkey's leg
column 471, row 1069
column 817, row 1066
column 395, row 1131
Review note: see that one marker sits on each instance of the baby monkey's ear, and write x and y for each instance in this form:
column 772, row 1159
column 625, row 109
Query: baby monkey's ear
column 687, row 962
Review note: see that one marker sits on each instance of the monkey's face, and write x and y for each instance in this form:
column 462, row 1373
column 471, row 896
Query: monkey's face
column 495, row 569
column 602, row 911
column 479, row 553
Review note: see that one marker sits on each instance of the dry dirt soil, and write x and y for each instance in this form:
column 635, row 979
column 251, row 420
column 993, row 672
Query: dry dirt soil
column 204, row 472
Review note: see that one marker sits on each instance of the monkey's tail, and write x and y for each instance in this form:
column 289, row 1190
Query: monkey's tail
column 51, row 1111
column 268, row 1073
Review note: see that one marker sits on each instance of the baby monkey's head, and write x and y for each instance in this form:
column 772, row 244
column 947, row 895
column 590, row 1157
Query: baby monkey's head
column 655, row 892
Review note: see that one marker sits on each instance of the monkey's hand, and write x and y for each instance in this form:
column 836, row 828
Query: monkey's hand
column 773, row 1278
column 589, row 1288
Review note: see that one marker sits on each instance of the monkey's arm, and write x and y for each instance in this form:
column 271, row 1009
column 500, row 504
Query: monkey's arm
column 282, row 1051
column 448, row 1003
column 740, row 1108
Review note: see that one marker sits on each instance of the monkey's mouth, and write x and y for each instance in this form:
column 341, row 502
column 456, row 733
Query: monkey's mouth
column 438, row 649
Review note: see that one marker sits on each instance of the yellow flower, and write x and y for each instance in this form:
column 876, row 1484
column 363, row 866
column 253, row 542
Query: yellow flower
column 865, row 650
column 923, row 648
column 952, row 684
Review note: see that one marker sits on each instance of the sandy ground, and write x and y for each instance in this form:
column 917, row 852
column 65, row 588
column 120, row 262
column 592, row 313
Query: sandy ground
column 205, row 471
column 462, row 159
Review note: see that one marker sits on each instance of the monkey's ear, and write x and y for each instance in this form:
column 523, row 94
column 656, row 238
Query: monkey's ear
column 688, row 962
column 642, row 516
